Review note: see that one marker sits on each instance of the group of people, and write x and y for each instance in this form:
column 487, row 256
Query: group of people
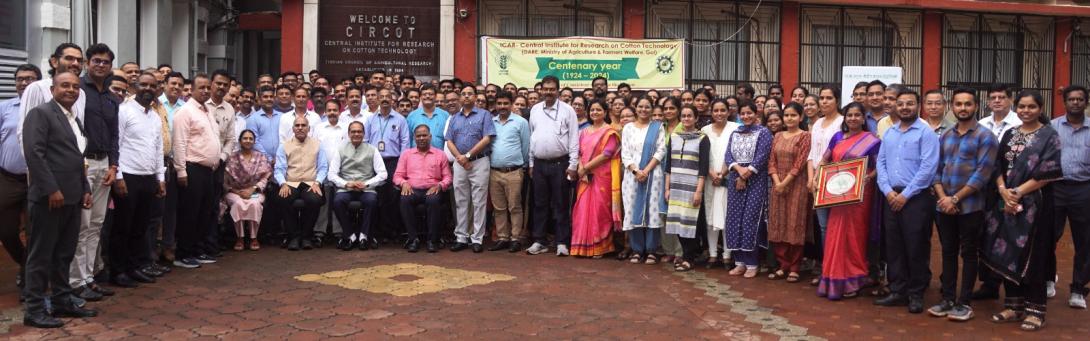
column 125, row 173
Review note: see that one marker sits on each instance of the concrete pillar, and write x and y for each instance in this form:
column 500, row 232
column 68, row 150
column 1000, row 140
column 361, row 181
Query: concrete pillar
column 310, row 35
column 117, row 28
column 180, row 48
column 81, row 23
column 446, row 39
column 155, row 32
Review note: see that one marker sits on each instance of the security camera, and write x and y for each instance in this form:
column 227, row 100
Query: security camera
column 463, row 13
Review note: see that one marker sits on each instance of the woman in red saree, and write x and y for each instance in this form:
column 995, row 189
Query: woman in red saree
column 844, row 269
column 597, row 211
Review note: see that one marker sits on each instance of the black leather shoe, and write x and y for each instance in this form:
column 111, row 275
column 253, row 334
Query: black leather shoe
column 123, row 281
column 141, row 277
column 161, row 268
column 99, row 289
column 477, row 248
column 42, row 321
column 73, row 311
column 986, row 293
column 458, row 247
column 307, row 244
column 86, row 293
column 503, row 244
column 151, row 272
column 915, row 305
column 344, row 244
column 432, row 248
column 366, row 245
column 413, row 246
column 293, row 245
column 515, row 247
column 892, row 300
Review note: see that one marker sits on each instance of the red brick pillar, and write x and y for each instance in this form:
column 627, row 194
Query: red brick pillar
column 789, row 44
column 291, row 36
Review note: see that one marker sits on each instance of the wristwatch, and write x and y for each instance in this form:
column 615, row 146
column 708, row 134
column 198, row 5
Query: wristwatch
column 469, row 155
column 955, row 199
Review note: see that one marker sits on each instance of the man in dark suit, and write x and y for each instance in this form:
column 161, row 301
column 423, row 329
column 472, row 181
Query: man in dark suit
column 53, row 145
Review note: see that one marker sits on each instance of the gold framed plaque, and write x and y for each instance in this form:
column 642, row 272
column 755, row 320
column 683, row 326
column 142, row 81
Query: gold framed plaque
column 841, row 183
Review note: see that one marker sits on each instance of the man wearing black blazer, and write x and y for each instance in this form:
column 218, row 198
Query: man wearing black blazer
column 53, row 145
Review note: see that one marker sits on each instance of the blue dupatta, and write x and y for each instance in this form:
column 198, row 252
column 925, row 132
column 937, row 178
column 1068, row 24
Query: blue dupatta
column 643, row 190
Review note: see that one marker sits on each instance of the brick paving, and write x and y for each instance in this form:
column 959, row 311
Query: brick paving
column 276, row 294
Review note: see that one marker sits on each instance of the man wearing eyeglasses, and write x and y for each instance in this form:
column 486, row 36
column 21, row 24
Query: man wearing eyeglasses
column 66, row 57
column 100, row 158
column 13, row 170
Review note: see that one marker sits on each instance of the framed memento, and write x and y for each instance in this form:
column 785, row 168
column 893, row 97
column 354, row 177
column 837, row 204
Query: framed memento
column 840, row 183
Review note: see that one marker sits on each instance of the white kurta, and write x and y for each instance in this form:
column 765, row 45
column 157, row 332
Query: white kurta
column 715, row 197
column 632, row 139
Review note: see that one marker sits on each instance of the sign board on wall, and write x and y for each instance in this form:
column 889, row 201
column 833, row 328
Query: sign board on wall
column 576, row 61
column 357, row 36
column 855, row 74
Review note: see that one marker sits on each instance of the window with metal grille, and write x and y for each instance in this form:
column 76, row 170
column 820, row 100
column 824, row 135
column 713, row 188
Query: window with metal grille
column 832, row 37
column 549, row 18
column 979, row 50
column 728, row 42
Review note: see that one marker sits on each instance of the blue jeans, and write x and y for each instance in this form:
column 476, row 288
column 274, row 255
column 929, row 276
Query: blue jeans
column 643, row 240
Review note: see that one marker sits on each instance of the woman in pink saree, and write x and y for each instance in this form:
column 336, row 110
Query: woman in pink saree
column 597, row 211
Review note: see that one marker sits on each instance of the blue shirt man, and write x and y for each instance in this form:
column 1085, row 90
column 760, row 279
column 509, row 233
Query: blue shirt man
column 1076, row 149
column 511, row 148
column 466, row 129
column 388, row 132
column 11, row 151
column 171, row 107
column 908, row 159
column 435, row 122
column 267, row 129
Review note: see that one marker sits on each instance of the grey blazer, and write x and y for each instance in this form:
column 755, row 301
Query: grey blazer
column 54, row 161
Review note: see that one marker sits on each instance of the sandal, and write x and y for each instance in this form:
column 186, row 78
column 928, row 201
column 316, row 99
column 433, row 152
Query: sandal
column 881, row 291
column 683, row 266
column 852, row 294
column 1008, row 315
column 238, row 245
column 254, row 245
column 814, row 282
column 1032, row 323
column 635, row 259
column 738, row 270
column 651, row 260
column 776, row 275
column 793, row 277
column 712, row 262
column 750, row 273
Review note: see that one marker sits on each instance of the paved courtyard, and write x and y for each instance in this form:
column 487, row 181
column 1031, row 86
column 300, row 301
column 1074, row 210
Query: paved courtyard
column 387, row 293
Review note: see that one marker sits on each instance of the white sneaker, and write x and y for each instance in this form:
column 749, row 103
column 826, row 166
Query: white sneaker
column 1077, row 301
column 537, row 249
column 1050, row 289
column 561, row 250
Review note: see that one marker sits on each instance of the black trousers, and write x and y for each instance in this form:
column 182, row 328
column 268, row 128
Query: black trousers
column 389, row 208
column 195, row 200
column 1072, row 204
column 690, row 247
column 552, row 194
column 210, row 238
column 133, row 214
column 52, row 235
column 272, row 221
column 959, row 235
column 299, row 222
column 908, row 244
column 432, row 206
column 351, row 223
column 13, row 203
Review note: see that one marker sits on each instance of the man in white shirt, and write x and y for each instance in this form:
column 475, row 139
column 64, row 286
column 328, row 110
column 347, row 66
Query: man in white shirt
column 332, row 135
column 1001, row 118
column 356, row 169
column 67, row 57
column 554, row 158
column 140, row 183
column 354, row 112
column 300, row 96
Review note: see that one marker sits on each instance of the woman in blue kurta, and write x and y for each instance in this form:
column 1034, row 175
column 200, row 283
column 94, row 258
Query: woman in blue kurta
column 747, row 160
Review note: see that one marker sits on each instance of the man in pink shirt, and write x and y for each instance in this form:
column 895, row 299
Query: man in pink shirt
column 196, row 154
column 422, row 174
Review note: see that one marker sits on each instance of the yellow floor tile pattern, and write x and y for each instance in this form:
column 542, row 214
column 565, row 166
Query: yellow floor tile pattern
column 380, row 279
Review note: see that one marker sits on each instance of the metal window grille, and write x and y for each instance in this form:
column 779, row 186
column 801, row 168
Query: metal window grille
column 544, row 18
column 724, row 46
column 979, row 50
column 832, row 37
column 1080, row 59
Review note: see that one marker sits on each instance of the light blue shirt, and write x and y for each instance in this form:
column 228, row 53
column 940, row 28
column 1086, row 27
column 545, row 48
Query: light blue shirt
column 1075, row 159
column 267, row 130
column 391, row 130
column 511, row 147
column 437, row 123
column 11, row 151
column 170, row 109
column 281, row 169
column 908, row 159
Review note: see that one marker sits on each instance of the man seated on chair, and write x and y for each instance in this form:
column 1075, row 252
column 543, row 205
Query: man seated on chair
column 300, row 169
column 422, row 174
column 356, row 169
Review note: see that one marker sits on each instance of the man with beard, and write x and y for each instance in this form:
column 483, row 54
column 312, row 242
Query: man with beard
column 67, row 57
column 554, row 159
column 389, row 133
column 600, row 85
column 906, row 169
column 141, row 183
column 53, row 144
column 1072, row 194
column 966, row 161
